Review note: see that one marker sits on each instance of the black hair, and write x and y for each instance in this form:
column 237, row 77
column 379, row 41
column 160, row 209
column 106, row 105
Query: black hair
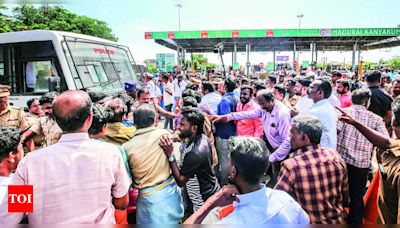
column 245, row 80
column 128, row 100
column 189, row 102
column 247, row 87
column 396, row 109
column 165, row 76
column 192, row 86
column 188, row 93
column 144, row 116
column 281, row 89
column 344, row 82
column 195, row 117
column 360, row 96
column 304, row 81
column 259, row 86
column 118, row 108
column 309, row 125
column 9, row 141
column 197, row 96
column 396, row 80
column 141, row 91
column 291, row 81
column 96, row 96
column 101, row 116
column 230, row 84
column 249, row 155
column 73, row 121
column 48, row 98
column 272, row 79
column 374, row 76
column 207, row 85
column 326, row 87
column 30, row 101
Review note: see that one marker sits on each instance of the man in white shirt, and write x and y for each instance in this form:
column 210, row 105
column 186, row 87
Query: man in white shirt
column 247, row 201
column 168, row 97
column 150, row 85
column 78, row 179
column 210, row 98
column 304, row 103
column 179, row 86
column 320, row 91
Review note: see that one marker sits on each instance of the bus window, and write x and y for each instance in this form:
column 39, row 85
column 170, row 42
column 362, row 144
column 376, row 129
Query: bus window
column 37, row 75
column 99, row 67
column 2, row 76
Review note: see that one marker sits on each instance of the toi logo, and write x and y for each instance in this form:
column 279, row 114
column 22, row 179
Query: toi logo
column 20, row 198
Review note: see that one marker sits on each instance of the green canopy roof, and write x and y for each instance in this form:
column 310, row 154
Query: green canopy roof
column 326, row 39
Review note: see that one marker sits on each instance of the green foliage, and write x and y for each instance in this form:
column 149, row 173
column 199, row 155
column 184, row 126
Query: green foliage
column 28, row 17
column 151, row 68
column 393, row 63
column 197, row 60
column 369, row 65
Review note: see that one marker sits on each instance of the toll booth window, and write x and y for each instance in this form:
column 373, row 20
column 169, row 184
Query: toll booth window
column 38, row 74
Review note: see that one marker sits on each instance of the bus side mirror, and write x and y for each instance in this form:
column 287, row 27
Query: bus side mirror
column 54, row 84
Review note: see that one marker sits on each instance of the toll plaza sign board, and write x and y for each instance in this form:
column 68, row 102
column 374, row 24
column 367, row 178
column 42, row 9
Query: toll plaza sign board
column 267, row 33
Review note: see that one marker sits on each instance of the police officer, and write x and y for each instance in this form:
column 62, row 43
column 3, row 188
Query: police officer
column 11, row 116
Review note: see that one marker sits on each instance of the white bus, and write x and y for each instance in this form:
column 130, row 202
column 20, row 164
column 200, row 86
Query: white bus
column 39, row 61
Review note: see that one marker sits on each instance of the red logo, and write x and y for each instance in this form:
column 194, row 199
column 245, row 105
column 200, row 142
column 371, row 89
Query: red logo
column 20, row 198
column 171, row 35
column 269, row 33
column 235, row 34
column 148, row 35
column 204, row 34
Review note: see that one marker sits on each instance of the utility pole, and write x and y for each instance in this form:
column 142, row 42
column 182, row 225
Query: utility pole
column 299, row 16
column 179, row 6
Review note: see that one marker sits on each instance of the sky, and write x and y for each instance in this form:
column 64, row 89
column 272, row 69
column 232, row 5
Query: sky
column 130, row 19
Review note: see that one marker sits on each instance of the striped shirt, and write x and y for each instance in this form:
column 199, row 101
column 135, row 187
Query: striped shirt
column 317, row 179
column 354, row 148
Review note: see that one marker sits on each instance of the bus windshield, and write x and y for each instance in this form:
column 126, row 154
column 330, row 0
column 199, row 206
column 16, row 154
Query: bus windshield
column 98, row 66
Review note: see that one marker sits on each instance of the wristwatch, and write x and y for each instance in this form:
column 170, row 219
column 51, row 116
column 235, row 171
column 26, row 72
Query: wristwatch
column 171, row 158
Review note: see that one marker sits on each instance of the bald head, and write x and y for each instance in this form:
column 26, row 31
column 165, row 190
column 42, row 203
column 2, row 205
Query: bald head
column 72, row 110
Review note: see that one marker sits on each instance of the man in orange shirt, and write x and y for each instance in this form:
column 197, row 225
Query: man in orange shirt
column 250, row 127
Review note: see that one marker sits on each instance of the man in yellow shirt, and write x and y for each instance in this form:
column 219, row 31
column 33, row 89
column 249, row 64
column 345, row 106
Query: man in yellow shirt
column 159, row 200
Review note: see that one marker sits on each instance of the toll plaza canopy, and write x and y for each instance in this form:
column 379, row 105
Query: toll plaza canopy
column 263, row 40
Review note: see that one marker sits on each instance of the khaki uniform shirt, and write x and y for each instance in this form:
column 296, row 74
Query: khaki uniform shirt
column 118, row 134
column 14, row 117
column 38, row 139
column 389, row 187
column 49, row 128
column 147, row 160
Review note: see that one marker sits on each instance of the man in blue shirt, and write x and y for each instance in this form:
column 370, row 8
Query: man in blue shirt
column 225, row 130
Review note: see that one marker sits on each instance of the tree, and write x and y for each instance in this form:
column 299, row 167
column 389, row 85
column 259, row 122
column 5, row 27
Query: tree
column 28, row 17
column 151, row 68
column 393, row 63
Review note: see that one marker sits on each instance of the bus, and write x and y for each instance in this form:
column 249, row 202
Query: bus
column 40, row 61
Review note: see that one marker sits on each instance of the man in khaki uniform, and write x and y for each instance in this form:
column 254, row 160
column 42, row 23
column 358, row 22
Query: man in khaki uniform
column 117, row 133
column 11, row 116
column 46, row 125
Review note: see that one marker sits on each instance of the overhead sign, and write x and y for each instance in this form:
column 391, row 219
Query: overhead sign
column 282, row 58
column 248, row 33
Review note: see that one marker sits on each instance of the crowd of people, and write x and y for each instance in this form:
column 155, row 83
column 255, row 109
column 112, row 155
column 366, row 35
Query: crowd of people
column 286, row 149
